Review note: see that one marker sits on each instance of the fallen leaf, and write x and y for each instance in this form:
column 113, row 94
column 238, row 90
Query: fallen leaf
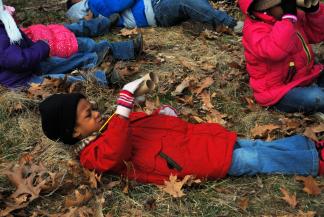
column 128, row 32
column 262, row 131
column 188, row 64
column 203, row 85
column 216, row 117
column 183, row 85
column 305, row 214
column 93, row 177
column 251, row 104
column 174, row 187
column 197, row 119
column 310, row 185
column 206, row 100
column 290, row 199
column 310, row 134
column 125, row 69
column 80, row 196
column 243, row 203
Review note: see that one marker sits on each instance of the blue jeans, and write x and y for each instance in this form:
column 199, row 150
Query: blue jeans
column 90, row 53
column 308, row 99
column 172, row 12
column 290, row 155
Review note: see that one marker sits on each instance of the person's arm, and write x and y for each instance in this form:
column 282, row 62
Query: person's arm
column 273, row 42
column 18, row 59
column 270, row 43
column 313, row 23
column 111, row 149
column 109, row 7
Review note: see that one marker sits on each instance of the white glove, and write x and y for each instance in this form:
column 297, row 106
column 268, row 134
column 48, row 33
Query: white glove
column 132, row 86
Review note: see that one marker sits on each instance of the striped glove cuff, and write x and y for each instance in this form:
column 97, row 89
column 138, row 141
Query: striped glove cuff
column 125, row 103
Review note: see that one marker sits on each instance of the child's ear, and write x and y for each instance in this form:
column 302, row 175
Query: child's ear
column 76, row 133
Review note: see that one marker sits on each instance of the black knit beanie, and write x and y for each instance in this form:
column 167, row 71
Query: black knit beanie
column 58, row 113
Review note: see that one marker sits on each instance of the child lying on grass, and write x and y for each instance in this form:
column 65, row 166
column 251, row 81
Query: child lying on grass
column 56, row 49
column 144, row 13
column 161, row 144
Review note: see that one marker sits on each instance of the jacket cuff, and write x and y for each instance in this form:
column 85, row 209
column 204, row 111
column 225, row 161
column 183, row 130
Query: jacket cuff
column 123, row 111
column 293, row 18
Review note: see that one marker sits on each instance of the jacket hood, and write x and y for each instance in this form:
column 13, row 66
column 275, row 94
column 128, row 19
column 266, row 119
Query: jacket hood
column 245, row 5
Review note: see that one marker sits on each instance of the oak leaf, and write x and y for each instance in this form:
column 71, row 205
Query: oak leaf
column 93, row 177
column 174, row 187
column 290, row 199
column 187, row 82
column 206, row 100
column 243, row 203
column 261, row 131
column 310, row 185
column 203, row 85
column 81, row 196
column 128, row 32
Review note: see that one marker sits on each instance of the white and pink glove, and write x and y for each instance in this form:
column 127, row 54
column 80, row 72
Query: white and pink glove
column 167, row 110
column 125, row 101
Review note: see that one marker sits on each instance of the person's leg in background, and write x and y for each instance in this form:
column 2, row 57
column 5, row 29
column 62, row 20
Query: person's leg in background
column 98, row 76
column 93, row 27
column 291, row 155
column 170, row 12
column 303, row 99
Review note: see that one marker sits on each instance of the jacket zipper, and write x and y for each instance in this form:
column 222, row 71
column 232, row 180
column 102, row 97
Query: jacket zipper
column 305, row 47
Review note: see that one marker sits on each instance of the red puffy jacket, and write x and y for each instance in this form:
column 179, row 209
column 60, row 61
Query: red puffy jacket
column 271, row 45
column 63, row 43
column 160, row 145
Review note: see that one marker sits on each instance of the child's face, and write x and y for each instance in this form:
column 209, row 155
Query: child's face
column 276, row 12
column 88, row 120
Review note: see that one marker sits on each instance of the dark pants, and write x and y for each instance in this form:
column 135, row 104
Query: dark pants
column 172, row 12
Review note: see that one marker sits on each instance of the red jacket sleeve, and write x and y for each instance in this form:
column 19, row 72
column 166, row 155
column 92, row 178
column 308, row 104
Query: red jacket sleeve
column 110, row 150
column 270, row 42
column 313, row 25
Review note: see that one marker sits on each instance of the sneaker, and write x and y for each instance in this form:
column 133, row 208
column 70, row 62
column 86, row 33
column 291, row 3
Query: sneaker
column 113, row 77
column 138, row 44
column 114, row 19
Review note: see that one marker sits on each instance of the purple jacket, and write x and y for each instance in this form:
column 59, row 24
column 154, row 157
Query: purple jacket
column 19, row 62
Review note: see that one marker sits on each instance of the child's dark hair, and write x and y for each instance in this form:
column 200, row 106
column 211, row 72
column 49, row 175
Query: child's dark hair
column 69, row 4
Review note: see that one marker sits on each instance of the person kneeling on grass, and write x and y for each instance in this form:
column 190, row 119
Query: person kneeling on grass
column 29, row 54
column 161, row 144
column 277, row 38
column 145, row 13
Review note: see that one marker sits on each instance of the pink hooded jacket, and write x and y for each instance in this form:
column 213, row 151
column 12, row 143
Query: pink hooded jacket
column 61, row 40
column 271, row 45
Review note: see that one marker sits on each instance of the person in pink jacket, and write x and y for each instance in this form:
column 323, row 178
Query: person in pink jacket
column 277, row 38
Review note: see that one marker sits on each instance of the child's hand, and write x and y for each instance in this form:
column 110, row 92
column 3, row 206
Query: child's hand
column 125, row 101
column 312, row 9
column 167, row 110
column 132, row 86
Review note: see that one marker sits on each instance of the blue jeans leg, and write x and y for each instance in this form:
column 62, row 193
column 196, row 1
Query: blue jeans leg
column 291, row 155
column 90, row 28
column 99, row 76
column 303, row 99
column 123, row 50
column 171, row 12
column 57, row 65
